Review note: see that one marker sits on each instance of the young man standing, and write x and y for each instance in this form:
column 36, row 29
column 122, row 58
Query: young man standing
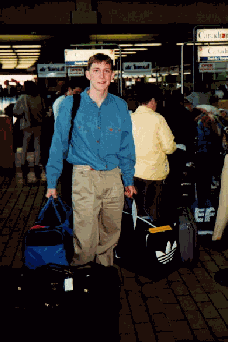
column 101, row 151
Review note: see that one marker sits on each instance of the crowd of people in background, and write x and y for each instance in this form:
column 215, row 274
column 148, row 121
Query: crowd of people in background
column 194, row 119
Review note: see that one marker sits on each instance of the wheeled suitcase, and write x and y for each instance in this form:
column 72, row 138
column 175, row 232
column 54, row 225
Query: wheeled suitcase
column 58, row 303
column 187, row 235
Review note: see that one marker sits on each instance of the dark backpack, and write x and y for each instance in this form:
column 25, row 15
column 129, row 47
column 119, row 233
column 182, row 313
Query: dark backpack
column 76, row 104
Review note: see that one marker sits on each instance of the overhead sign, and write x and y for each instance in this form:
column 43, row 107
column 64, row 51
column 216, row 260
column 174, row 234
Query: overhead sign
column 76, row 71
column 144, row 68
column 206, row 67
column 169, row 70
column 76, row 57
column 212, row 35
column 216, row 67
column 213, row 53
column 51, row 70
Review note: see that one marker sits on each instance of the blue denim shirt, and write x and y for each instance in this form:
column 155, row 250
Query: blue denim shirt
column 101, row 138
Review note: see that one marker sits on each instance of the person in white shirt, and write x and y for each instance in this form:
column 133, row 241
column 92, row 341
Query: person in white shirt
column 68, row 88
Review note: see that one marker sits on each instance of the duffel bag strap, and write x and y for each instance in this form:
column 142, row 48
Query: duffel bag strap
column 50, row 202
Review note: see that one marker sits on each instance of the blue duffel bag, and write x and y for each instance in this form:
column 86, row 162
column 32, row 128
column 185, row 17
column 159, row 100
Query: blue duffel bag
column 50, row 241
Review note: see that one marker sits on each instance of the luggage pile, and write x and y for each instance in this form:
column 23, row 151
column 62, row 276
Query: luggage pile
column 49, row 300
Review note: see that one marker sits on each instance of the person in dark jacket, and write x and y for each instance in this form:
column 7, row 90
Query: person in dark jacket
column 30, row 108
column 17, row 134
column 208, row 155
column 182, row 125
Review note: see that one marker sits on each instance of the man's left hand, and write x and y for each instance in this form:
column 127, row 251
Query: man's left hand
column 129, row 191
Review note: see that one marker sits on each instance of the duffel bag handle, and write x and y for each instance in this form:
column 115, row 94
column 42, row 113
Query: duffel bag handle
column 65, row 207
column 50, row 202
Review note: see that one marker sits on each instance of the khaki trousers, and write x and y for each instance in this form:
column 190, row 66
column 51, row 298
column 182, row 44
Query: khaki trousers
column 222, row 213
column 98, row 200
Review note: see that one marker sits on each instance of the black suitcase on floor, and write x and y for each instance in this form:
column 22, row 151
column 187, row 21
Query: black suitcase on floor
column 44, row 307
column 188, row 234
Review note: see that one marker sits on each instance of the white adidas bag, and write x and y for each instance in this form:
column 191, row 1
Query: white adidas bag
column 157, row 249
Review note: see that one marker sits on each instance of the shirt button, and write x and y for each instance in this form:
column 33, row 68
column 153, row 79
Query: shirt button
column 98, row 141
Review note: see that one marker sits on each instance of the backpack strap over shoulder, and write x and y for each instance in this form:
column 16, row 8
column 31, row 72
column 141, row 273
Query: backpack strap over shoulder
column 76, row 103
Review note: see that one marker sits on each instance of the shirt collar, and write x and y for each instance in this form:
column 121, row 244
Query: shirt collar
column 89, row 99
column 145, row 109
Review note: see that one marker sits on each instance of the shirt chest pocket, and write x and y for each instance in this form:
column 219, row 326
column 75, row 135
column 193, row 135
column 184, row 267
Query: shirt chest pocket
column 113, row 131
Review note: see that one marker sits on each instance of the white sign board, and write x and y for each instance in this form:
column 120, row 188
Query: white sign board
column 75, row 57
column 212, row 35
column 216, row 67
column 212, row 53
column 75, row 71
column 51, row 70
column 144, row 68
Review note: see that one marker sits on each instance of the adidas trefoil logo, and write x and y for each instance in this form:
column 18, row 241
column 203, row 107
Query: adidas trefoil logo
column 168, row 255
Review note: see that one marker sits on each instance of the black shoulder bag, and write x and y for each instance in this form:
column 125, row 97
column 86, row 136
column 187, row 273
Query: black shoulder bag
column 66, row 177
column 76, row 103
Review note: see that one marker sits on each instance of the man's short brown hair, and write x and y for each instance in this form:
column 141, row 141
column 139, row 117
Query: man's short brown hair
column 98, row 58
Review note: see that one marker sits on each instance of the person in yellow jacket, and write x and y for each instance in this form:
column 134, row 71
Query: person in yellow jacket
column 153, row 141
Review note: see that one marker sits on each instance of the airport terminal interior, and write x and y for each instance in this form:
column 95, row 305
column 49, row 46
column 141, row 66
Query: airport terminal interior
column 176, row 47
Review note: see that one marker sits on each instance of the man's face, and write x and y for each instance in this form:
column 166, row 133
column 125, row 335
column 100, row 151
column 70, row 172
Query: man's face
column 100, row 76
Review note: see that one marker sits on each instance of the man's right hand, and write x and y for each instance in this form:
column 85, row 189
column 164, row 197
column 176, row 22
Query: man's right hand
column 51, row 192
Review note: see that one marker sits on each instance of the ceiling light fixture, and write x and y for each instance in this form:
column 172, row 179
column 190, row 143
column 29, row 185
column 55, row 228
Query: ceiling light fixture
column 28, row 54
column 135, row 49
column 193, row 44
column 148, row 44
column 126, row 44
column 27, row 50
column 19, row 56
column 9, row 65
column 26, row 46
column 8, row 59
column 127, row 52
column 11, row 53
